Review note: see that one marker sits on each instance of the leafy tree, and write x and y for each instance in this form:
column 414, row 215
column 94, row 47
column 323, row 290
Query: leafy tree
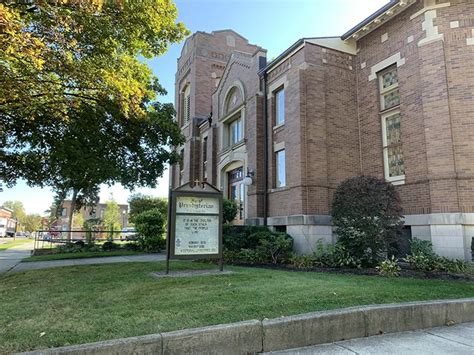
column 77, row 108
column 112, row 216
column 78, row 220
column 32, row 222
column 18, row 210
column 150, row 227
column 140, row 203
column 229, row 210
column 57, row 53
column 368, row 217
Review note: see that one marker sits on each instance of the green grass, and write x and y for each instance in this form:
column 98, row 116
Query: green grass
column 82, row 304
column 10, row 243
column 81, row 255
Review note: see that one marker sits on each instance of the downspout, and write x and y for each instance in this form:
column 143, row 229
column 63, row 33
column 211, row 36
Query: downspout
column 265, row 150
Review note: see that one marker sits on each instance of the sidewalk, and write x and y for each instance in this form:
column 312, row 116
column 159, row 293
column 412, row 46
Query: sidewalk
column 458, row 339
column 89, row 261
column 11, row 257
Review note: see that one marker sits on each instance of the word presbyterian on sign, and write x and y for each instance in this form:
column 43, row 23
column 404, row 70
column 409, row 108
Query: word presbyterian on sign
column 196, row 222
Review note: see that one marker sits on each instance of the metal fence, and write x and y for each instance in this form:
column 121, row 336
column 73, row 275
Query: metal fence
column 51, row 238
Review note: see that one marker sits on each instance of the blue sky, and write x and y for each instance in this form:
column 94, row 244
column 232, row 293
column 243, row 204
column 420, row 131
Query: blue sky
column 271, row 24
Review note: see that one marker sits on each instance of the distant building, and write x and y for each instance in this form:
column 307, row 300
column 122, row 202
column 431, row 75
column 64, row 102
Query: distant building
column 96, row 212
column 7, row 223
column 391, row 98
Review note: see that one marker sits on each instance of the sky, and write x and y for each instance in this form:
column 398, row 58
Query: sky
column 272, row 24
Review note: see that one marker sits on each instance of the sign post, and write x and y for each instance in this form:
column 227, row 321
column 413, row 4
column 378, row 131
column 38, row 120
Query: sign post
column 194, row 223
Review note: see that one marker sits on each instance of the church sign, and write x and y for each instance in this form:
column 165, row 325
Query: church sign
column 196, row 222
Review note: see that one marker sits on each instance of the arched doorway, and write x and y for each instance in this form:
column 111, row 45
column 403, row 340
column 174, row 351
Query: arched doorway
column 236, row 191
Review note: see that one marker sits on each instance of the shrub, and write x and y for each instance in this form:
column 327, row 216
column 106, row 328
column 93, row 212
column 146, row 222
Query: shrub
column 70, row 248
column 274, row 246
column 229, row 210
column 418, row 246
column 150, row 227
column 423, row 258
column 109, row 245
column 367, row 215
column 335, row 256
column 269, row 246
column 250, row 256
column 389, row 268
column 302, row 261
column 237, row 238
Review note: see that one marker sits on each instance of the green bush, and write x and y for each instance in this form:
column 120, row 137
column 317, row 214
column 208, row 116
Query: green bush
column 418, row 246
column 367, row 215
column 334, row 256
column 250, row 256
column 229, row 210
column 237, row 238
column 267, row 246
column 423, row 258
column 70, row 248
column 150, row 227
column 275, row 247
column 302, row 261
column 110, row 245
column 389, row 268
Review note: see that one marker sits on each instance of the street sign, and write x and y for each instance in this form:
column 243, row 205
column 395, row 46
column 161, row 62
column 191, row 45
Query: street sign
column 195, row 223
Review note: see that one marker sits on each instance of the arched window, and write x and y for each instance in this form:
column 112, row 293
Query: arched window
column 186, row 103
column 231, row 100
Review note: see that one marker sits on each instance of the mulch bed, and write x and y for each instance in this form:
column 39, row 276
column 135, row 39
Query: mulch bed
column 405, row 272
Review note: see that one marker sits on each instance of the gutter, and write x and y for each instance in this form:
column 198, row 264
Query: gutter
column 265, row 148
column 369, row 19
column 277, row 60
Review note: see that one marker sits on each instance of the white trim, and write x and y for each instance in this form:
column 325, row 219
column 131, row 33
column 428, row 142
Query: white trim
column 470, row 41
column 283, row 81
column 429, row 5
column 432, row 34
column 278, row 146
column 396, row 58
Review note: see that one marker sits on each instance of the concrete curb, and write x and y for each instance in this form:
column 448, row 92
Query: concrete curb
column 287, row 332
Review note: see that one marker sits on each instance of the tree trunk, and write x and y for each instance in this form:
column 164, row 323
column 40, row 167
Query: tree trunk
column 71, row 215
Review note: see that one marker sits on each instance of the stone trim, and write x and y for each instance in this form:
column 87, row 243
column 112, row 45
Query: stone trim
column 439, row 219
column 429, row 5
column 432, row 34
column 470, row 41
column 278, row 146
column 318, row 220
column 396, row 58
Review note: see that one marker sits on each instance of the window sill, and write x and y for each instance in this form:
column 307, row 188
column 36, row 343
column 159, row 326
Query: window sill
column 234, row 147
column 279, row 189
column 387, row 111
column 278, row 127
column 396, row 181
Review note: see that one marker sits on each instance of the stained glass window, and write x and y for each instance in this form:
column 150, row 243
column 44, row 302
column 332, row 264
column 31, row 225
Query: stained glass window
column 389, row 78
column 391, row 99
column 390, row 95
column 393, row 152
column 391, row 121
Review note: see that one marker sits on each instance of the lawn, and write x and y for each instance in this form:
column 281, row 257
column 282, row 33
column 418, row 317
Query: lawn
column 82, row 255
column 10, row 243
column 79, row 304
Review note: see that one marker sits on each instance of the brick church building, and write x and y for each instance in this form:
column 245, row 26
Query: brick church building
column 391, row 98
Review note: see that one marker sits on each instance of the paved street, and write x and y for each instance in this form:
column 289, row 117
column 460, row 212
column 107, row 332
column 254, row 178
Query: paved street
column 458, row 339
column 89, row 261
column 11, row 257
